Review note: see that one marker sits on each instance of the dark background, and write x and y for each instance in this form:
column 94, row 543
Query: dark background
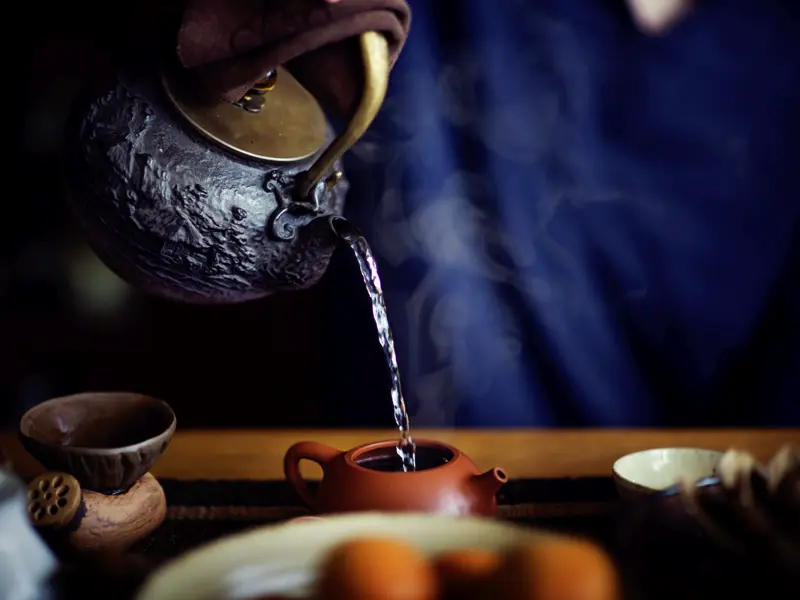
column 67, row 324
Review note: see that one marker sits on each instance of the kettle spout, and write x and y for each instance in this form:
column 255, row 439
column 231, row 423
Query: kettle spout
column 330, row 228
column 344, row 229
column 489, row 483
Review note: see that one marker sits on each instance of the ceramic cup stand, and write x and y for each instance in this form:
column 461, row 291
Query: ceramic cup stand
column 98, row 448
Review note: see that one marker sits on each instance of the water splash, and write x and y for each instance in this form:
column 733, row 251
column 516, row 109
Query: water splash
column 350, row 234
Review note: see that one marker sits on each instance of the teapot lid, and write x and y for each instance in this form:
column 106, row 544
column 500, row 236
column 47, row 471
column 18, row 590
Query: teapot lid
column 278, row 120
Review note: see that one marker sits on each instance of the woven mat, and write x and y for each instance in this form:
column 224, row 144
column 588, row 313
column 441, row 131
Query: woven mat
column 201, row 511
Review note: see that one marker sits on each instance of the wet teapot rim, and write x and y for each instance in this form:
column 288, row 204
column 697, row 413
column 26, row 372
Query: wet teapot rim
column 351, row 455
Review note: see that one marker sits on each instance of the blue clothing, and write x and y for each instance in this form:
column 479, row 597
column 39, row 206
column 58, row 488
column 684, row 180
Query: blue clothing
column 578, row 224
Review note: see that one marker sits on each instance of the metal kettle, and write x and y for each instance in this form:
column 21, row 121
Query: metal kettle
column 212, row 202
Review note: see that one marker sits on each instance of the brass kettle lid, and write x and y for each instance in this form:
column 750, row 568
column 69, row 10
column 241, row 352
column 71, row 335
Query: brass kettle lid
column 290, row 124
column 283, row 123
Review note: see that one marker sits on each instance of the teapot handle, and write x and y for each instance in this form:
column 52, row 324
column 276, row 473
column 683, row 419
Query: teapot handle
column 375, row 56
column 313, row 451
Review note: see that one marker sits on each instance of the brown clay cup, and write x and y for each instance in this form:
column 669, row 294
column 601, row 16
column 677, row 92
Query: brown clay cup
column 106, row 440
column 446, row 481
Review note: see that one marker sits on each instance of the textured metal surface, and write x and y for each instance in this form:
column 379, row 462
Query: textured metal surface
column 177, row 216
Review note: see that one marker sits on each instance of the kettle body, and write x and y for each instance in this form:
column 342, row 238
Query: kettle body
column 178, row 215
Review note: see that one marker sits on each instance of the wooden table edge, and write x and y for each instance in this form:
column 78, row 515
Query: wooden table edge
column 522, row 453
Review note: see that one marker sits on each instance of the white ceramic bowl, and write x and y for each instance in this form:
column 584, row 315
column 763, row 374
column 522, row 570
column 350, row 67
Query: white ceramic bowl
column 642, row 473
column 283, row 559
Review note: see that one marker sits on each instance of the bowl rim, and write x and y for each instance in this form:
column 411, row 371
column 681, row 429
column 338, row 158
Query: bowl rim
column 91, row 396
column 627, row 480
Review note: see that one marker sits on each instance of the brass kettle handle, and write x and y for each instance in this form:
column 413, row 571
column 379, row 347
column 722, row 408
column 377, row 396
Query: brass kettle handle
column 375, row 57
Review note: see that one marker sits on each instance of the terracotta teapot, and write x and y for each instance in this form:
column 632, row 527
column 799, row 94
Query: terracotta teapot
column 370, row 478
column 208, row 201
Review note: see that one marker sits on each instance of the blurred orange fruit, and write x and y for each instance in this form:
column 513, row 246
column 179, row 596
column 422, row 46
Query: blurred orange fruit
column 462, row 573
column 376, row 569
column 563, row 569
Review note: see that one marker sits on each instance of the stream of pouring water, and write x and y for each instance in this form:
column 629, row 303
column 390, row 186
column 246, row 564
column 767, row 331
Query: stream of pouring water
column 350, row 234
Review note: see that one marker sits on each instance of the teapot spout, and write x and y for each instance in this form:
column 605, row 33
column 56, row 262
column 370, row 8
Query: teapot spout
column 489, row 483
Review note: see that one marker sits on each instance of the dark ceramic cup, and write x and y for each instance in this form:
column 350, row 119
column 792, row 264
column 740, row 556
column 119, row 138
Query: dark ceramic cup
column 106, row 440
